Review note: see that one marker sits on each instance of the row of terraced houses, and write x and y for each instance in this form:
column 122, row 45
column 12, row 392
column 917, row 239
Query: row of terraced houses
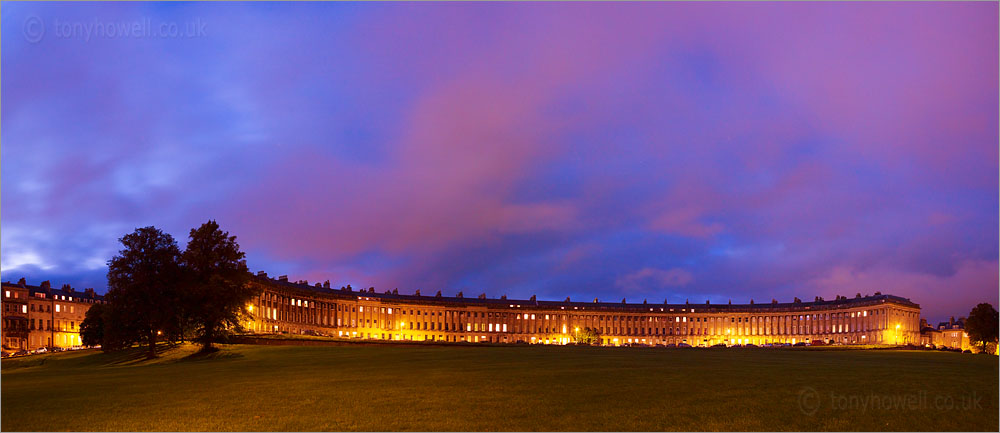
column 287, row 307
column 40, row 316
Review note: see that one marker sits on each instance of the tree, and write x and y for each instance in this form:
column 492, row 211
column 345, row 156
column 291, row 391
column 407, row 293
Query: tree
column 588, row 336
column 142, row 289
column 983, row 326
column 217, row 289
column 92, row 327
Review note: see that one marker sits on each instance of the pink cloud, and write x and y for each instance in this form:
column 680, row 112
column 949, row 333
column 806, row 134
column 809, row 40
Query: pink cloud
column 652, row 280
column 939, row 296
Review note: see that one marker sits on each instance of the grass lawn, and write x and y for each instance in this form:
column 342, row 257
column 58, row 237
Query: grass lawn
column 295, row 388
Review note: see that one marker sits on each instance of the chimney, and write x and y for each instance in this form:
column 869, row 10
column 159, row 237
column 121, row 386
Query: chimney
column 460, row 295
column 283, row 278
column 532, row 298
column 21, row 283
column 482, row 296
column 438, row 295
column 567, row 299
column 417, row 293
column 46, row 284
column 395, row 291
column 504, row 297
column 326, row 284
column 262, row 274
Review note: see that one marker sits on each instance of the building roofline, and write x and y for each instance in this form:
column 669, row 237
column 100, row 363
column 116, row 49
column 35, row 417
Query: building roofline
column 637, row 307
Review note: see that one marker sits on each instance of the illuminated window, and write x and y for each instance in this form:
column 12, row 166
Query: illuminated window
column 532, row 317
column 390, row 311
column 504, row 327
column 6, row 293
column 57, row 308
column 24, row 308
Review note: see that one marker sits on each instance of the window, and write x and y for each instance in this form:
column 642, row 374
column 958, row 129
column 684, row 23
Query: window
column 57, row 308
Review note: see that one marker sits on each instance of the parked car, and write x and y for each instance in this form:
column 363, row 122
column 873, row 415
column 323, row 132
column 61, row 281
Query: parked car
column 801, row 343
column 683, row 345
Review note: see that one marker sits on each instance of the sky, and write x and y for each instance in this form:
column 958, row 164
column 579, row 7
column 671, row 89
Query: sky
column 658, row 151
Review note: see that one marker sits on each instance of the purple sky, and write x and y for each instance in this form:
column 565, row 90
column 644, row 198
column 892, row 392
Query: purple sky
column 649, row 151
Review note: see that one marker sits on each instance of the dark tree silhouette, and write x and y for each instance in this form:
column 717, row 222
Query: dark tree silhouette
column 983, row 326
column 216, row 289
column 142, row 288
column 92, row 327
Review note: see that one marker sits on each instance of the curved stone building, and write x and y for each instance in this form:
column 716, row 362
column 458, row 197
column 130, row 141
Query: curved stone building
column 298, row 308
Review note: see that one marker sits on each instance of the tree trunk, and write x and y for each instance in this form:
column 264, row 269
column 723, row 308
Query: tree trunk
column 152, row 345
column 206, row 341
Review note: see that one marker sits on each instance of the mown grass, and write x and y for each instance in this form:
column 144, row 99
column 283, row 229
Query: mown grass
column 372, row 388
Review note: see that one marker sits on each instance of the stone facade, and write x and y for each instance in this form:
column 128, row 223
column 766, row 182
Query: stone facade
column 298, row 308
column 41, row 316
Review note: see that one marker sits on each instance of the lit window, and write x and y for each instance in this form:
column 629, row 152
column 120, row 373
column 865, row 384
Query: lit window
column 390, row 311
column 532, row 317
column 6, row 293
column 504, row 327
column 57, row 308
column 24, row 308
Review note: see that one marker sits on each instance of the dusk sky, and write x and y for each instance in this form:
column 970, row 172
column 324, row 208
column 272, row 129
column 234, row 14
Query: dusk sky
column 647, row 151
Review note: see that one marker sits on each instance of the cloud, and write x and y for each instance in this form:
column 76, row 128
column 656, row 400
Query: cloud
column 773, row 150
column 648, row 280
